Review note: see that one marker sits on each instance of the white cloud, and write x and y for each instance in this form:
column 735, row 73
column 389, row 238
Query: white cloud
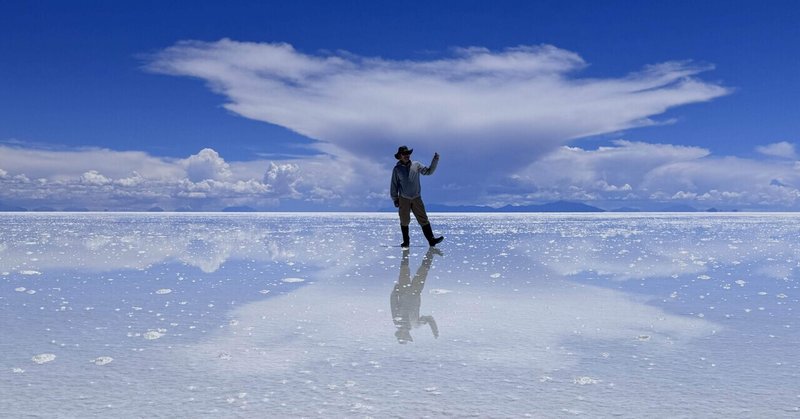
column 505, row 108
column 22, row 178
column 606, row 174
column 207, row 164
column 70, row 164
column 635, row 172
column 201, row 181
column 609, row 168
column 92, row 177
column 782, row 149
column 133, row 180
column 283, row 178
column 623, row 174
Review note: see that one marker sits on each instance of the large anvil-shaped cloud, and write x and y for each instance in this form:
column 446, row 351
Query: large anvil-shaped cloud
column 508, row 107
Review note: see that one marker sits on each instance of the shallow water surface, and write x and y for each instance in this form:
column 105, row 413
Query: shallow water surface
column 322, row 315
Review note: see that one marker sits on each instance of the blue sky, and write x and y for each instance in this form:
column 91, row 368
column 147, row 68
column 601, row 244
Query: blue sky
column 300, row 105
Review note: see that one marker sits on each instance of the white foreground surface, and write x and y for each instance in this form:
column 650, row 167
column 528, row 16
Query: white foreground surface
column 320, row 315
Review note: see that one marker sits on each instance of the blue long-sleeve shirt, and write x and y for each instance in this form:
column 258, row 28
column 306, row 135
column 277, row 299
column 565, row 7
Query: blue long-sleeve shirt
column 405, row 178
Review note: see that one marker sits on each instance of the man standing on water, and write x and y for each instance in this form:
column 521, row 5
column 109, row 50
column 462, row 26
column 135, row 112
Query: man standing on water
column 405, row 192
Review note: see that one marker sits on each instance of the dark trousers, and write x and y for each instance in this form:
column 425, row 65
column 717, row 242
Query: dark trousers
column 407, row 206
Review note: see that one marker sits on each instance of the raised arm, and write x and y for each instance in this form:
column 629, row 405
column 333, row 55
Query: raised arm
column 430, row 169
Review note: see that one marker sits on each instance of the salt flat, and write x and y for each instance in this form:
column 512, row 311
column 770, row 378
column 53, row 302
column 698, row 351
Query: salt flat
column 322, row 315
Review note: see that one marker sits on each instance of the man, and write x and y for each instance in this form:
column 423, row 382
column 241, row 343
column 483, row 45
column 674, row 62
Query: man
column 405, row 192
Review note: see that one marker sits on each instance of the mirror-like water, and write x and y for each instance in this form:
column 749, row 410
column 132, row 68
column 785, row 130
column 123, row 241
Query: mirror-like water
column 548, row 315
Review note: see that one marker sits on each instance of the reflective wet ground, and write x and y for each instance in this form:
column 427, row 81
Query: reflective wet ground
column 323, row 315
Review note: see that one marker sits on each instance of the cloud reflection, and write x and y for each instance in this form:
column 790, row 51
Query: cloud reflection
column 514, row 312
column 332, row 326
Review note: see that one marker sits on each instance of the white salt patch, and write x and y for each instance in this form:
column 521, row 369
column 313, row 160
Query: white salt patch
column 153, row 334
column 102, row 360
column 585, row 381
column 43, row 358
column 440, row 291
column 291, row 280
column 30, row 272
column 163, row 291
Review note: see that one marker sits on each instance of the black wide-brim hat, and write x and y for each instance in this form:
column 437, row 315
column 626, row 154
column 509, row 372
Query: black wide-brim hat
column 402, row 150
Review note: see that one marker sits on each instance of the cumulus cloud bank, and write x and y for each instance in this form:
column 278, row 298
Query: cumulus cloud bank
column 505, row 107
column 635, row 173
column 624, row 174
column 107, row 179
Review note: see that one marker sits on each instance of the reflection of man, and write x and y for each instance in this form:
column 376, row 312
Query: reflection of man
column 407, row 296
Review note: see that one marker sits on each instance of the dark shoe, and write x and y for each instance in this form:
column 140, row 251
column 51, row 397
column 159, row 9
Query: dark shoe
column 406, row 239
column 428, row 231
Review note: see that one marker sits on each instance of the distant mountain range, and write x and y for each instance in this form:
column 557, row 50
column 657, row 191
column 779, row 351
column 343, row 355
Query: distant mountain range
column 561, row 206
column 4, row 207
column 558, row 206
